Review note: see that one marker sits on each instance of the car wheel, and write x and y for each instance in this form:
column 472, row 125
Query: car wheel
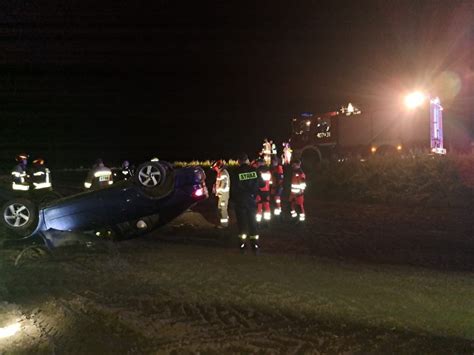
column 20, row 216
column 155, row 179
column 150, row 174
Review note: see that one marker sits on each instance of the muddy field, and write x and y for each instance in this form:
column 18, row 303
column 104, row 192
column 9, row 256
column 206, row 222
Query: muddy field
column 438, row 238
column 353, row 279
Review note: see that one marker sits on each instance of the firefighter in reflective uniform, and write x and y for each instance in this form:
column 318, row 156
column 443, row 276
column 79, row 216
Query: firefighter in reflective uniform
column 40, row 176
column 286, row 156
column 273, row 150
column 126, row 172
column 20, row 176
column 245, row 185
column 221, row 189
column 298, row 185
column 263, row 195
column 276, row 183
column 266, row 152
column 99, row 176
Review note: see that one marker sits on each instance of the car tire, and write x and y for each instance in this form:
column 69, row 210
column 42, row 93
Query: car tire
column 20, row 216
column 155, row 179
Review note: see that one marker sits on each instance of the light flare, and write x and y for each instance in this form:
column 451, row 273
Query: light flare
column 415, row 99
column 9, row 330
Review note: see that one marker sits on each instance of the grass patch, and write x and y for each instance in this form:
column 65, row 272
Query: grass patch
column 203, row 163
column 424, row 180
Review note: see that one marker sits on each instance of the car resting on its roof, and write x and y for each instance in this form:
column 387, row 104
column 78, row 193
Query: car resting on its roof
column 156, row 195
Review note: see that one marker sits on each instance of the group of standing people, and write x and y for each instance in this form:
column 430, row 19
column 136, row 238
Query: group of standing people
column 257, row 190
column 101, row 176
column 269, row 152
column 37, row 177
column 34, row 178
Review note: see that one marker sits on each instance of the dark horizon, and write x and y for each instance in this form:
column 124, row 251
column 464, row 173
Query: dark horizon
column 183, row 82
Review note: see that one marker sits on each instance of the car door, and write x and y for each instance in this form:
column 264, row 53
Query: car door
column 78, row 212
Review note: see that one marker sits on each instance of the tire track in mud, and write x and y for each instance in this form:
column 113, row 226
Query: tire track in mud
column 170, row 326
column 184, row 324
column 87, row 322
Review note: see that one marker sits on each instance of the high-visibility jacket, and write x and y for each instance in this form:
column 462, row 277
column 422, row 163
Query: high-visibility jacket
column 266, row 176
column 274, row 149
column 98, row 177
column 41, row 177
column 266, row 148
column 298, row 182
column 286, row 156
column 222, row 182
column 20, row 178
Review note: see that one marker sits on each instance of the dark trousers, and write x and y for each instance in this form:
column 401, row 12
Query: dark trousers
column 246, row 221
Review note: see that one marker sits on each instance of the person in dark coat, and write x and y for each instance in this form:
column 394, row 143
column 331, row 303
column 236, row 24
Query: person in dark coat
column 245, row 185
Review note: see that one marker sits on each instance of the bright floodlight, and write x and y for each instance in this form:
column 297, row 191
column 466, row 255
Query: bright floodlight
column 9, row 330
column 350, row 108
column 414, row 100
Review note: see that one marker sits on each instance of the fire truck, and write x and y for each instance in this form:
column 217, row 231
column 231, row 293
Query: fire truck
column 350, row 133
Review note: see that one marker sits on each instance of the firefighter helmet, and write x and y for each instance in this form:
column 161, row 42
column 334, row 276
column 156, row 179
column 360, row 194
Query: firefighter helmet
column 38, row 161
column 21, row 157
column 218, row 164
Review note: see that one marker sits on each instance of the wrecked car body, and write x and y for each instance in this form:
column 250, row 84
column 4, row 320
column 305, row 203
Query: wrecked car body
column 156, row 195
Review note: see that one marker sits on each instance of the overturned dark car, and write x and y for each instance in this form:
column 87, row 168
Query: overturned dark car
column 154, row 196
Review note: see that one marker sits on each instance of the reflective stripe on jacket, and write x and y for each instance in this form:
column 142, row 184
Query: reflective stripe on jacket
column 222, row 182
column 298, row 182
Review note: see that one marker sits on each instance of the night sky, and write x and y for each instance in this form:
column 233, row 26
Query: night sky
column 183, row 80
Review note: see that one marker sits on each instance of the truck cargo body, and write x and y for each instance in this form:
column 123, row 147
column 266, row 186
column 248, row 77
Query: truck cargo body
column 335, row 134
